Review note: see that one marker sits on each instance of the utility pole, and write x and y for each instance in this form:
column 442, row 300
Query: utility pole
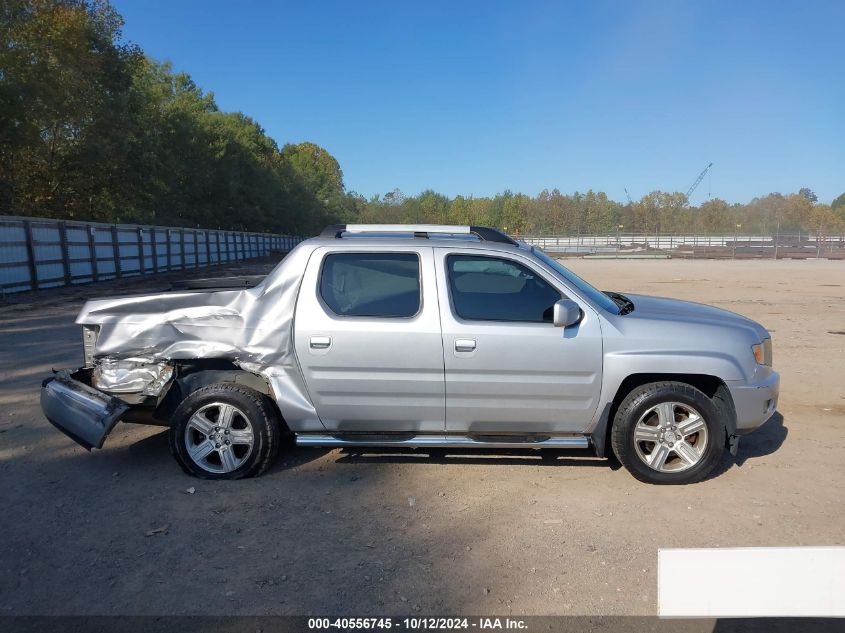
column 736, row 226
column 618, row 243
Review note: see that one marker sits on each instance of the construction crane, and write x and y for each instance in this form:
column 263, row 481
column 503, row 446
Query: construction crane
column 698, row 180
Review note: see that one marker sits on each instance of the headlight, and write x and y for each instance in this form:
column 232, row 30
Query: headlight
column 89, row 343
column 763, row 352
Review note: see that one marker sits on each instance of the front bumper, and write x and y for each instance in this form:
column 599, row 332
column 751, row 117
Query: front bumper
column 755, row 402
column 81, row 412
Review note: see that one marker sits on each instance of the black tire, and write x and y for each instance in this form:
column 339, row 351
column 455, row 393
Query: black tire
column 253, row 415
column 633, row 455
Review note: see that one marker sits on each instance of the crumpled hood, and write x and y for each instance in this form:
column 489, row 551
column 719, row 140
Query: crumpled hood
column 164, row 305
column 661, row 308
column 170, row 325
column 253, row 325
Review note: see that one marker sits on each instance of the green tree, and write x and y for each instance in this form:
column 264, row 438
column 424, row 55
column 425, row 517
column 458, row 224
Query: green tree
column 809, row 194
column 601, row 213
column 432, row 208
column 660, row 212
column 514, row 213
column 460, row 211
column 92, row 129
column 314, row 186
column 715, row 216
column 824, row 221
column 797, row 212
column 316, row 170
column 64, row 82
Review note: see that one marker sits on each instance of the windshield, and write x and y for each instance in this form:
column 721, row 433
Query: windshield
column 597, row 297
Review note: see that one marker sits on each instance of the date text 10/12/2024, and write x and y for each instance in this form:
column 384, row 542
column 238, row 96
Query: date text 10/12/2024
column 416, row 624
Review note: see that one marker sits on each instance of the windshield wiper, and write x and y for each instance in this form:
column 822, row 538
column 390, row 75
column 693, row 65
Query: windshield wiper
column 625, row 304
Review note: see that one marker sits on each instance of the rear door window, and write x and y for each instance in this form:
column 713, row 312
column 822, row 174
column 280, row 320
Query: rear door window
column 371, row 284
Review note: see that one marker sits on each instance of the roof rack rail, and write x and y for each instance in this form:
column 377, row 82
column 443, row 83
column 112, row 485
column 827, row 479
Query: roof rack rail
column 483, row 233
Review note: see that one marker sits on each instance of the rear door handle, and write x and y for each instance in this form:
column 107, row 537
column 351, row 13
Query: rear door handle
column 320, row 342
column 464, row 344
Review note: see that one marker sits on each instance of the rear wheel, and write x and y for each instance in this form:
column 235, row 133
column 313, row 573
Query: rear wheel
column 225, row 431
column 668, row 433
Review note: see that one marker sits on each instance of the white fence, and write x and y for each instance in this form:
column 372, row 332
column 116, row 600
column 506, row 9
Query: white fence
column 40, row 253
column 691, row 245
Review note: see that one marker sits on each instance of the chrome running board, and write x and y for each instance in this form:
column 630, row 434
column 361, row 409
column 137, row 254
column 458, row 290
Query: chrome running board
column 441, row 441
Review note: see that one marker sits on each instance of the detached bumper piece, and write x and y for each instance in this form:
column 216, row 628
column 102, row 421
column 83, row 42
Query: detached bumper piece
column 81, row 412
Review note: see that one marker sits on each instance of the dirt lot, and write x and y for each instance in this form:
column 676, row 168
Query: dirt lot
column 116, row 532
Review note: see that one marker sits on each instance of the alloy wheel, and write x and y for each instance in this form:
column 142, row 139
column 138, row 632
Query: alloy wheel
column 219, row 437
column 671, row 437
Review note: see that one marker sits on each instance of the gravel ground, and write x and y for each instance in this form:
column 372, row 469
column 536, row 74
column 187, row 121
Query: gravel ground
column 124, row 531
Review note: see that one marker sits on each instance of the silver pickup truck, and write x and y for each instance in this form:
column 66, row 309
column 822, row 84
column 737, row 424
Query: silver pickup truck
column 419, row 336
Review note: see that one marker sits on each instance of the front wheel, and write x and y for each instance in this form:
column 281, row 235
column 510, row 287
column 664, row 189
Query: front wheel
column 668, row 433
column 225, row 431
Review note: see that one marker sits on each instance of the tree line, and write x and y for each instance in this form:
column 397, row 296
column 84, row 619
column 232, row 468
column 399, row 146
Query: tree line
column 93, row 129
column 551, row 212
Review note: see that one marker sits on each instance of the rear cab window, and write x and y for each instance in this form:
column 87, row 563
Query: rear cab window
column 383, row 285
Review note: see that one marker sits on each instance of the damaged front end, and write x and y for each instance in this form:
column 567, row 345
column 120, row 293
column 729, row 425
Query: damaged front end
column 137, row 348
column 87, row 403
column 134, row 379
column 81, row 412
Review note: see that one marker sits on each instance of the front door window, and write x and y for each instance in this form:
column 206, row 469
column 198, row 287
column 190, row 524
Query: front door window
column 493, row 289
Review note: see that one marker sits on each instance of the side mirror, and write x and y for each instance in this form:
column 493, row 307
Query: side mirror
column 566, row 313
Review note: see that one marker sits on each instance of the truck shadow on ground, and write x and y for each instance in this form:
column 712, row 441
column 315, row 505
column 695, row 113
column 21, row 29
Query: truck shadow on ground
column 764, row 441
column 154, row 452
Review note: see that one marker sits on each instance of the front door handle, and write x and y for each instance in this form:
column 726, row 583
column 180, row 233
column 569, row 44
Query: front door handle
column 464, row 344
column 320, row 342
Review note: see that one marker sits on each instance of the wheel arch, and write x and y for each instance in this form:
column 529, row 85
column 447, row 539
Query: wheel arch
column 196, row 374
column 712, row 386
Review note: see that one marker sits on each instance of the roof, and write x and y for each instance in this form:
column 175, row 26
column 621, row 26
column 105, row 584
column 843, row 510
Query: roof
column 369, row 242
column 453, row 236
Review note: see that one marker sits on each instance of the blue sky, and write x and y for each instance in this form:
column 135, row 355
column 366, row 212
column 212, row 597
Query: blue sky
column 477, row 97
